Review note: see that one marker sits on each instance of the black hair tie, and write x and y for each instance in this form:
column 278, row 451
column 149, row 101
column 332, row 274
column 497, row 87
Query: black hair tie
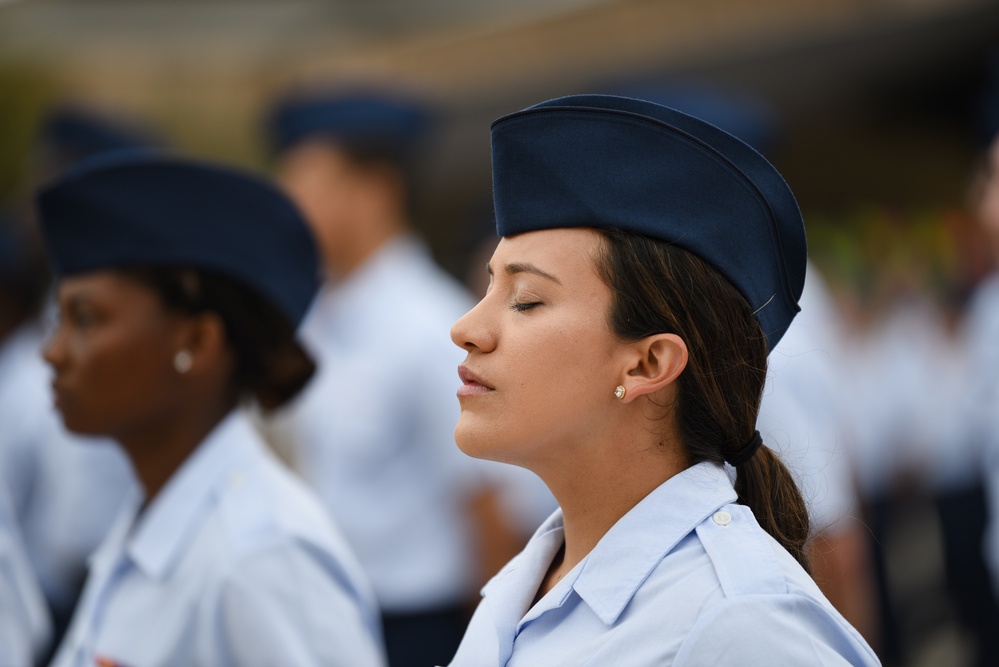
column 745, row 452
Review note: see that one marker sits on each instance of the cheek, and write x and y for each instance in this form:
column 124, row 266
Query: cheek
column 136, row 372
column 118, row 382
column 310, row 201
column 553, row 389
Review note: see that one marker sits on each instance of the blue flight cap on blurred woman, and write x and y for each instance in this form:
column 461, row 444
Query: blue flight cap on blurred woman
column 747, row 117
column 144, row 208
column 607, row 161
column 369, row 121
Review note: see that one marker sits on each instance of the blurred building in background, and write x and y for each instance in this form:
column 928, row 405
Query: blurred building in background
column 881, row 120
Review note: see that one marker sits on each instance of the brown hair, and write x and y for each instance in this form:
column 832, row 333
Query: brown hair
column 270, row 363
column 658, row 288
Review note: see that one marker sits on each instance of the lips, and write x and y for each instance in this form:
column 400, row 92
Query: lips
column 473, row 385
column 56, row 390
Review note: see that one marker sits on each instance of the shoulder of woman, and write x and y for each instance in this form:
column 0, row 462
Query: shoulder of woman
column 265, row 507
column 287, row 606
column 788, row 629
column 746, row 560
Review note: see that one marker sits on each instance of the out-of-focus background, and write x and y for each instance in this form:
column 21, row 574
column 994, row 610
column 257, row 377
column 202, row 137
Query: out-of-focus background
column 877, row 112
column 875, row 100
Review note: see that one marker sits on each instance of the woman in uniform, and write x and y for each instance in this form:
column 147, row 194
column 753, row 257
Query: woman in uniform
column 648, row 262
column 180, row 287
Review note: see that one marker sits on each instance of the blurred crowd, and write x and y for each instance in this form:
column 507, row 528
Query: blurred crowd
column 882, row 397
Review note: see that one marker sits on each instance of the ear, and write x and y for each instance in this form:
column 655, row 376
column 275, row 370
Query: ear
column 656, row 362
column 203, row 337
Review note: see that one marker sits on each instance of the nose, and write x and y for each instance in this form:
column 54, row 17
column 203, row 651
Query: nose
column 54, row 351
column 471, row 331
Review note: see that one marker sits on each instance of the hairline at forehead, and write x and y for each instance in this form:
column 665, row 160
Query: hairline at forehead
column 596, row 255
column 82, row 289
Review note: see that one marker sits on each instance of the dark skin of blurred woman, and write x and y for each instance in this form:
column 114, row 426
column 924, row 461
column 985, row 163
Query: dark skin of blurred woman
column 112, row 355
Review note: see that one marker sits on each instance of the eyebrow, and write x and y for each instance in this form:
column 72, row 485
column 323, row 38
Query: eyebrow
column 524, row 267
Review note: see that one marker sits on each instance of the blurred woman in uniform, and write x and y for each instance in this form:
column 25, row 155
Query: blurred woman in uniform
column 180, row 285
column 648, row 263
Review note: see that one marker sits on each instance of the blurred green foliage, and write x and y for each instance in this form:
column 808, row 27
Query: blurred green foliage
column 880, row 253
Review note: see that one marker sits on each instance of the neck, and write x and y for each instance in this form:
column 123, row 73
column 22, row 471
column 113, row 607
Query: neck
column 603, row 484
column 369, row 238
column 157, row 450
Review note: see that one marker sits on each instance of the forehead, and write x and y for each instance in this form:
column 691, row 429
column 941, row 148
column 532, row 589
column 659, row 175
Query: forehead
column 568, row 249
column 103, row 285
column 315, row 152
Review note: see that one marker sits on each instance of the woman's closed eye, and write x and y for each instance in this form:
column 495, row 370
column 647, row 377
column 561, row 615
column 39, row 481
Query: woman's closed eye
column 521, row 306
column 77, row 314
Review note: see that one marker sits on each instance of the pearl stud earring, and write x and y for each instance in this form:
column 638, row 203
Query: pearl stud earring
column 182, row 361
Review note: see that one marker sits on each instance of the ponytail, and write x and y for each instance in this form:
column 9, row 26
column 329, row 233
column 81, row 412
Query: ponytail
column 660, row 288
column 765, row 485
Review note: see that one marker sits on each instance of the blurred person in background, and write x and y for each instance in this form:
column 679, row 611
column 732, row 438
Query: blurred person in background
column 891, row 352
column 374, row 434
column 922, row 360
column 983, row 331
column 73, row 131
column 803, row 415
column 948, row 438
column 180, row 286
column 65, row 489
column 908, row 355
column 25, row 626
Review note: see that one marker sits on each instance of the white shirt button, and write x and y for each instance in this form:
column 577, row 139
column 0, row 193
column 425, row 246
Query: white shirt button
column 722, row 518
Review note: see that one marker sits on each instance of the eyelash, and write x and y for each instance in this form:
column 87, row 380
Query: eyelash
column 82, row 318
column 521, row 307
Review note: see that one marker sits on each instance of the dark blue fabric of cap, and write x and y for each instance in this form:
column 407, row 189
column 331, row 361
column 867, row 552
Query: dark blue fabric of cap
column 607, row 161
column 355, row 120
column 143, row 208
column 77, row 133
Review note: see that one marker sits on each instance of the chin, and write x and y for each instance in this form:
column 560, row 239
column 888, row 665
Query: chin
column 480, row 442
column 476, row 442
column 468, row 444
column 81, row 426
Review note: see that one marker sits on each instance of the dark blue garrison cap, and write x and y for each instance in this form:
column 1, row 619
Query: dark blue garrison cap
column 359, row 120
column 75, row 133
column 606, row 161
column 144, row 208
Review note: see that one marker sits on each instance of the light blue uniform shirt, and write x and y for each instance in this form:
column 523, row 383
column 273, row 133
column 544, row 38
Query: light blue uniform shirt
column 24, row 622
column 686, row 577
column 233, row 563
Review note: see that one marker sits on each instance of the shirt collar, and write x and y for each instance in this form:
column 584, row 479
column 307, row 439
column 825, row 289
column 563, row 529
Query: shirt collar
column 611, row 574
column 508, row 595
column 170, row 522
